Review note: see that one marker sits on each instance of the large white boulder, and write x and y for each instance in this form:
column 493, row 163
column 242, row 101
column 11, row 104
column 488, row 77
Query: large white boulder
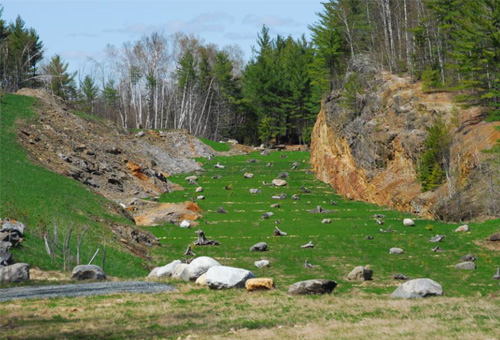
column 417, row 288
column 17, row 272
column 176, row 274
column 168, row 269
column 222, row 277
column 198, row 267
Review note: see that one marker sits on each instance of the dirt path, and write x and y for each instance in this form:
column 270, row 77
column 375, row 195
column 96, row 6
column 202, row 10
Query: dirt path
column 82, row 289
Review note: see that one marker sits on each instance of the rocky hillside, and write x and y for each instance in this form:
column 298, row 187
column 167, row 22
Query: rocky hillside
column 116, row 164
column 369, row 137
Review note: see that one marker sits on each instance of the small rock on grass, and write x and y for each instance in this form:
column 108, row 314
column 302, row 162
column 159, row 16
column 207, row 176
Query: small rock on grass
column 467, row 265
column 309, row 287
column 263, row 283
column 462, row 228
column 396, row 251
column 262, row 264
column 408, row 222
column 261, row 246
column 360, row 273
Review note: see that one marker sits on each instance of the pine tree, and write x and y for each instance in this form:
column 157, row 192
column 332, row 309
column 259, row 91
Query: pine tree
column 61, row 83
column 90, row 91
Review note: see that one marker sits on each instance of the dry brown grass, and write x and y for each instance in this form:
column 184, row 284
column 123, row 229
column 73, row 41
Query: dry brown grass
column 237, row 314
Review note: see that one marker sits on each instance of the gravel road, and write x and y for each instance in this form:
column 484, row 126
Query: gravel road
column 82, row 289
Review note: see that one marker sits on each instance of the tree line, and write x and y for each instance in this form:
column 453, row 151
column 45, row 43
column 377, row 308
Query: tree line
column 181, row 82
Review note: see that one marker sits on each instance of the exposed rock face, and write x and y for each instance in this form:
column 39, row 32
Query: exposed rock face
column 368, row 147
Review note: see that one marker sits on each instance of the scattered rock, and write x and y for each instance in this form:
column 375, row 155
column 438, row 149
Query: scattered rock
column 312, row 287
column 436, row 249
column 168, row 269
column 326, row 220
column 462, row 228
column 467, row 265
column 266, row 215
column 332, row 202
column 279, row 197
column 379, row 221
column 269, row 164
column 307, row 245
column 216, row 176
column 295, row 165
column 88, row 272
column 263, row 283
column 262, row 264
column 203, row 241
column 408, row 222
column 360, row 273
column 199, row 189
column 12, row 226
column 276, row 205
column 283, row 175
column 191, row 178
column 219, row 166
column 222, row 277
column 185, row 224
column 319, row 210
column 417, row 288
column 265, row 152
column 400, row 276
column 189, row 252
column 255, row 191
column 305, row 190
column 468, row 258
column 396, row 251
column 140, row 134
column 200, row 197
column 221, row 210
column 17, row 272
column 261, row 246
column 248, row 175
column 278, row 232
column 497, row 275
column 437, row 238
column 252, row 160
column 307, row 264
column 279, row 182
column 379, row 216
column 295, row 197
column 368, row 237
column 495, row 237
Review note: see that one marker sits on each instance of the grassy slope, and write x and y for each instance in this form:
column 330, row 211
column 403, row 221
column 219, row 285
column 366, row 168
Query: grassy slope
column 339, row 246
column 41, row 199
column 216, row 145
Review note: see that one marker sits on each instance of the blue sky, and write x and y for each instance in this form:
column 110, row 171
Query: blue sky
column 78, row 29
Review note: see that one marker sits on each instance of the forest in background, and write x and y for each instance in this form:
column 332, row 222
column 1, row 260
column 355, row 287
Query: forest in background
column 179, row 81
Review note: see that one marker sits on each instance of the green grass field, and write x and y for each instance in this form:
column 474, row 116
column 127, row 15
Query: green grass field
column 41, row 199
column 339, row 246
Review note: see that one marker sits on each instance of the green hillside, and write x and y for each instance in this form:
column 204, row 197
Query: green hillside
column 42, row 200
column 339, row 246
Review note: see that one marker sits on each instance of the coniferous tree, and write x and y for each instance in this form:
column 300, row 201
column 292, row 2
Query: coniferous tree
column 59, row 81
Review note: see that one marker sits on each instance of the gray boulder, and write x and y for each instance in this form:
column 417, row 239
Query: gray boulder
column 17, row 272
column 360, row 273
column 467, row 265
column 222, row 277
column 312, row 287
column 408, row 222
column 437, row 238
column 11, row 226
column 88, row 272
column 168, row 269
column 261, row 246
column 198, row 267
column 255, row 191
column 417, row 288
